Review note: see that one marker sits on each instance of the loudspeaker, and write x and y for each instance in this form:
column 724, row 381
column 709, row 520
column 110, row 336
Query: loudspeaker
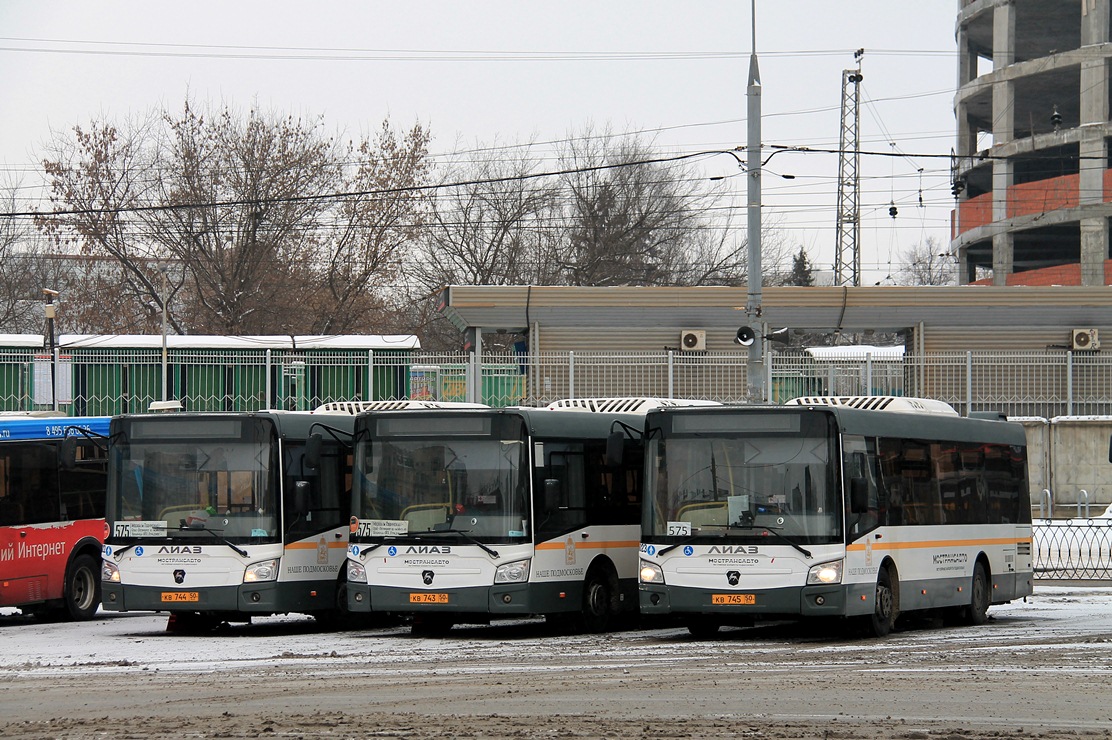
column 745, row 336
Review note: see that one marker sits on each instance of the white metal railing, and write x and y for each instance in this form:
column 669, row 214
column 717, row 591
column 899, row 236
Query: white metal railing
column 111, row 381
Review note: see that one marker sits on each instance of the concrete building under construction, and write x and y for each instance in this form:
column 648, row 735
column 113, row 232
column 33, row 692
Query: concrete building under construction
column 1031, row 170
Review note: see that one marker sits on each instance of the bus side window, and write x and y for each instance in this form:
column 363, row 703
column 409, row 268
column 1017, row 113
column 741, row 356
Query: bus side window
column 860, row 471
column 566, row 464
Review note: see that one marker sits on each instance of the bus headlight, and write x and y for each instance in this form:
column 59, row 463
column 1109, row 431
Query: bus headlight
column 267, row 570
column 651, row 572
column 356, row 572
column 515, row 572
column 109, row 572
column 825, row 573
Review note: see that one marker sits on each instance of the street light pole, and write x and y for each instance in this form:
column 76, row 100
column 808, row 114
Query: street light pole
column 49, row 310
column 755, row 370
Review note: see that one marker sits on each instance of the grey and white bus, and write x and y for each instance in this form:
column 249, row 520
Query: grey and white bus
column 221, row 516
column 858, row 508
column 469, row 515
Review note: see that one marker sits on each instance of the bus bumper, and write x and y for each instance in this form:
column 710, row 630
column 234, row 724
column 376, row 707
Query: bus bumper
column 793, row 601
column 501, row 601
column 258, row 598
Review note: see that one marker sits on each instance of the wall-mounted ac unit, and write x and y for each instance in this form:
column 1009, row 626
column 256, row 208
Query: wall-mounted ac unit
column 693, row 340
column 1084, row 339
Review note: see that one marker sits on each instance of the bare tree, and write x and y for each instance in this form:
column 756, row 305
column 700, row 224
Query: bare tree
column 493, row 226
column 926, row 264
column 627, row 221
column 372, row 231
column 95, row 177
column 270, row 226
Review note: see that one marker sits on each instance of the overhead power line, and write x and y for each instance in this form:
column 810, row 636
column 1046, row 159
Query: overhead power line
column 735, row 152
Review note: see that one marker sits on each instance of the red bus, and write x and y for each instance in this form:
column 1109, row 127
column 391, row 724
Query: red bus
column 51, row 515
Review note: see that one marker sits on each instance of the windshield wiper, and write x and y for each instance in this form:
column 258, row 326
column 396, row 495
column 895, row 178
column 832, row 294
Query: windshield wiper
column 774, row 532
column 363, row 552
column 690, row 538
column 462, row 533
column 119, row 553
column 238, row 551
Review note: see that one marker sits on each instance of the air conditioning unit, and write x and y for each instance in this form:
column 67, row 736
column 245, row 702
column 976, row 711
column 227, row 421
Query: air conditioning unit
column 1084, row 339
column 693, row 340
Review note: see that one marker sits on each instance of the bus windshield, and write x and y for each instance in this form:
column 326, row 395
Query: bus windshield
column 477, row 487
column 774, row 475
column 193, row 478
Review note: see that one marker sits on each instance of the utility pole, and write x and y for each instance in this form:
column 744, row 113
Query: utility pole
column 847, row 252
column 48, row 309
column 755, row 371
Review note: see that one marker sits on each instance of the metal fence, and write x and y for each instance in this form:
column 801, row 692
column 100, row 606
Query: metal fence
column 113, row 381
column 110, row 381
column 1073, row 548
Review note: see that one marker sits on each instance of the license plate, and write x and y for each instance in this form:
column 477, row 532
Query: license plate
column 180, row 596
column 428, row 598
column 740, row 599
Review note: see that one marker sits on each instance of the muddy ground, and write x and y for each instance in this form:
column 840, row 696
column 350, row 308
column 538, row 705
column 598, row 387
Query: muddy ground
column 1041, row 669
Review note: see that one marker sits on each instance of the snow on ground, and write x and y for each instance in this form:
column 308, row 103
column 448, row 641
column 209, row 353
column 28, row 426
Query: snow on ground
column 116, row 643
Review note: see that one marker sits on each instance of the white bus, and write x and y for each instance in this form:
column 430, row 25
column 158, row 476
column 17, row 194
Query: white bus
column 859, row 508
column 221, row 516
column 468, row 515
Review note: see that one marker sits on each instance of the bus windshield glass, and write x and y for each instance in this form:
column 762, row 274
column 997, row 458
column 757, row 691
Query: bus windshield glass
column 476, row 486
column 743, row 477
column 194, row 478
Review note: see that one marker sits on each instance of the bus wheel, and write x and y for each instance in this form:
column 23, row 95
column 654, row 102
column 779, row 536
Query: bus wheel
column 977, row 611
column 702, row 628
column 599, row 596
column 338, row 618
column 431, row 625
column 192, row 623
column 884, row 613
column 82, row 590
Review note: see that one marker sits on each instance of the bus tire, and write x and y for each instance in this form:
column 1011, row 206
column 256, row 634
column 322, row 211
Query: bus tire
column 431, row 625
column 977, row 611
column 600, row 595
column 192, row 623
column 82, row 589
column 882, row 619
column 702, row 628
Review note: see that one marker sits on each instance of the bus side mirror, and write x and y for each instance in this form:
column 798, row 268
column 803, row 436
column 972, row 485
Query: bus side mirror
column 313, row 447
column 1110, row 449
column 615, row 449
column 67, row 453
column 301, row 497
column 858, row 496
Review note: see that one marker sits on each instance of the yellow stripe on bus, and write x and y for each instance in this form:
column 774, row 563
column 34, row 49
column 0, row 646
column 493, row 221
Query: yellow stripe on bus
column 859, row 546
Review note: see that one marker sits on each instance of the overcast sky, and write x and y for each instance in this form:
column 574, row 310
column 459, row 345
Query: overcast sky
column 484, row 72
